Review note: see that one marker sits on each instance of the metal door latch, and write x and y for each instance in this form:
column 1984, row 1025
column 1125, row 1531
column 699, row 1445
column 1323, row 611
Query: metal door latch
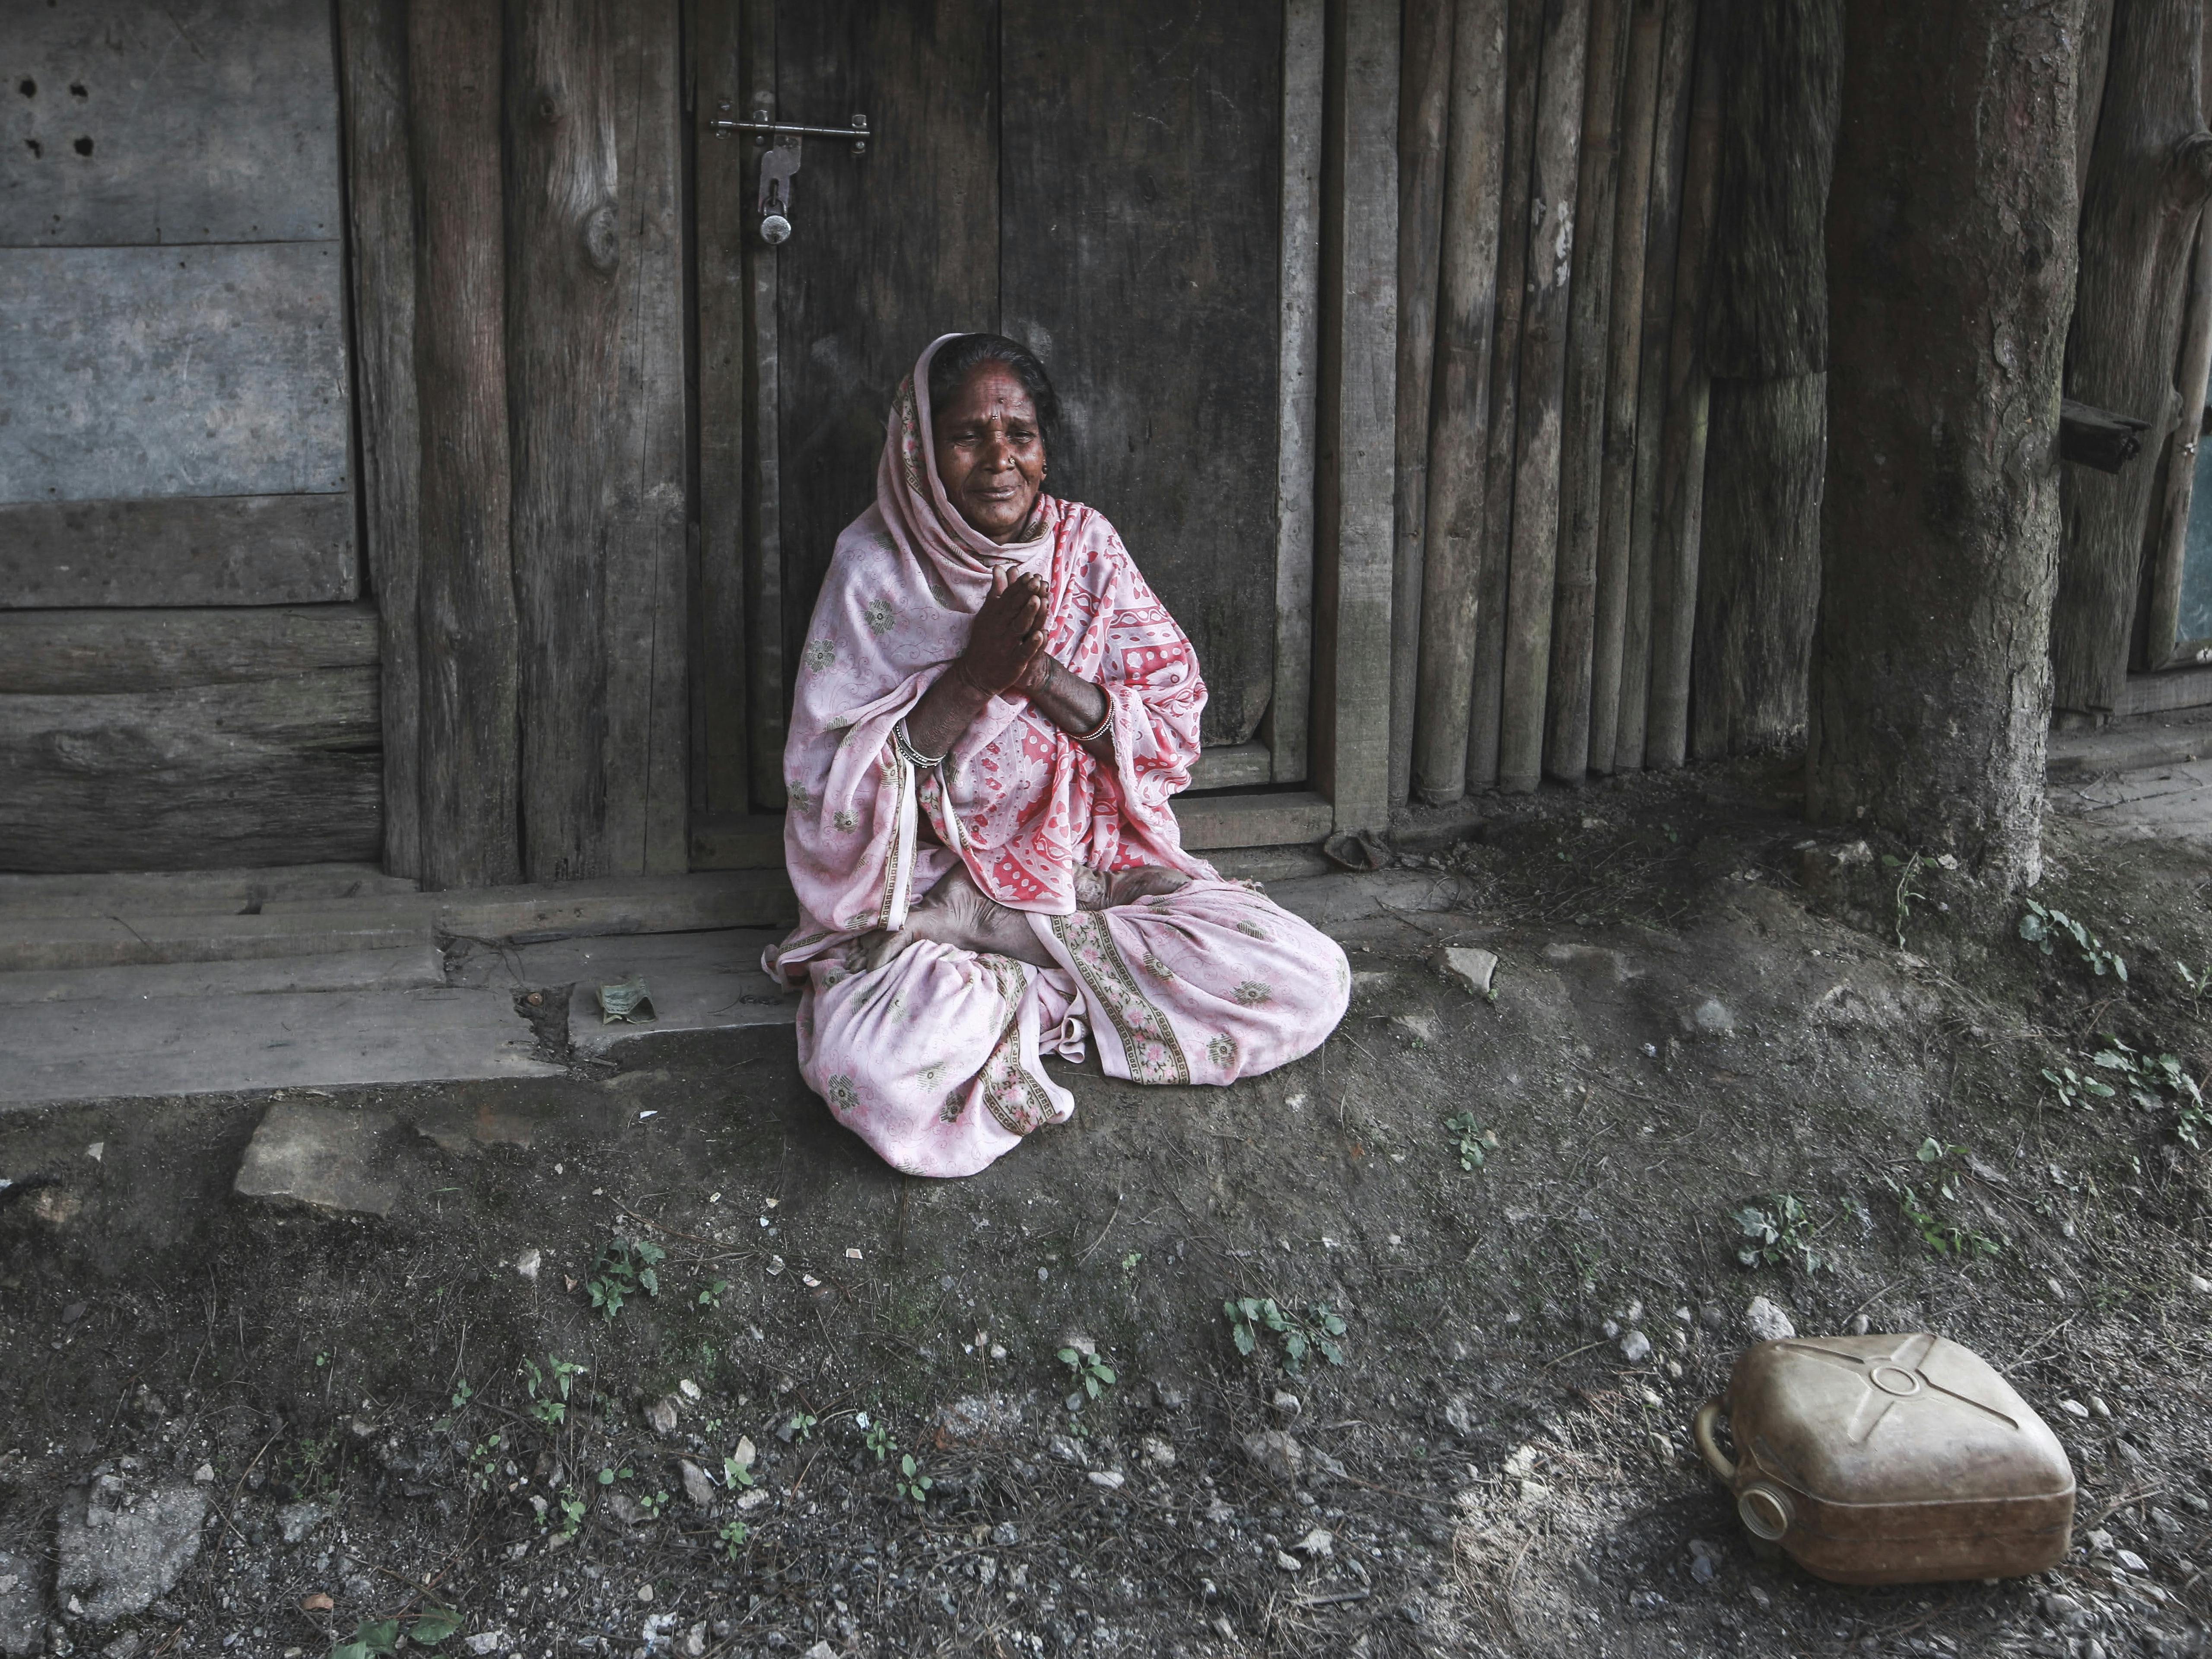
column 779, row 143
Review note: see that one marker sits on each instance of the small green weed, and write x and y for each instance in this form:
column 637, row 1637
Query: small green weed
column 1093, row 1373
column 710, row 1296
column 462, row 1394
column 1908, row 889
column 572, row 1514
column 548, row 1388
column 1942, row 1236
column 653, row 1504
column 913, row 1485
column 1475, row 1142
column 374, row 1638
column 2198, row 982
column 880, row 1440
column 2150, row 1076
column 1782, row 1231
column 2042, row 928
column 1249, row 1316
column 2074, row 1090
column 731, row 1538
column 624, row 1268
column 1129, row 1261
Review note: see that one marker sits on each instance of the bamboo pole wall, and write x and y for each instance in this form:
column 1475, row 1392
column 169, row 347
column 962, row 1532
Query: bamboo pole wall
column 1559, row 179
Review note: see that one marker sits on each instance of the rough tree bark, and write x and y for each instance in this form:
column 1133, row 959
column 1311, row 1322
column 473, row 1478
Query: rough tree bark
column 1766, row 346
column 2149, row 173
column 466, row 615
column 1950, row 267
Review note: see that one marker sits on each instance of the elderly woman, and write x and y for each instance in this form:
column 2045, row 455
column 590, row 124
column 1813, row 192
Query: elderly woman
column 993, row 712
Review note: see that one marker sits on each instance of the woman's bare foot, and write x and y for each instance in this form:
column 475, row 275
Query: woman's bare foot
column 955, row 913
column 1145, row 881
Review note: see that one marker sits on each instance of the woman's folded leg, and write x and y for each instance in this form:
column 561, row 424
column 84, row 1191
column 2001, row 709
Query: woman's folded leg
column 932, row 1059
column 1206, row 984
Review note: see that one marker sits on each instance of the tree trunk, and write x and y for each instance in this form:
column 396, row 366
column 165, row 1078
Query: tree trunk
column 1582, row 457
column 1765, row 346
column 1950, row 266
column 1423, row 95
column 1451, row 566
column 1670, row 141
column 467, row 623
column 2148, row 176
column 1682, row 444
column 1623, row 346
column 1524, row 50
column 1550, row 233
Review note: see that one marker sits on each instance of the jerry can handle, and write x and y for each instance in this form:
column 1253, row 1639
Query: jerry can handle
column 1702, row 1432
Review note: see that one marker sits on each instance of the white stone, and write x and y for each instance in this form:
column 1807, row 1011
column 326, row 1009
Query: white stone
column 1473, row 968
column 1109, row 1479
column 528, row 1265
column 1635, row 1347
column 1767, row 1323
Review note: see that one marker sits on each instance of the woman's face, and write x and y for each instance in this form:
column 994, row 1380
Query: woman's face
column 990, row 450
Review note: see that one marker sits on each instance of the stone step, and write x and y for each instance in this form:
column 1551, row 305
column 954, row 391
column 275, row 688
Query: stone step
column 407, row 967
column 54, row 1052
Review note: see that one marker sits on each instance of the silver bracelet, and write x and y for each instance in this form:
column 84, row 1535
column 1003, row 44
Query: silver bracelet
column 909, row 754
column 1103, row 725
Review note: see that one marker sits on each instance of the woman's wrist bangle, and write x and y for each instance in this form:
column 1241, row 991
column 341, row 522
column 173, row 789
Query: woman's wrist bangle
column 1105, row 723
column 909, row 754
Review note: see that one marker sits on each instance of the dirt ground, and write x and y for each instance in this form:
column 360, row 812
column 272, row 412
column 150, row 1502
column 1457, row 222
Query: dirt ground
column 1524, row 1213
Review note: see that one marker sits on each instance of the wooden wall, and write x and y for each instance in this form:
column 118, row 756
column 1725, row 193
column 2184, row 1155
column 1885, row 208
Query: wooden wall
column 187, row 676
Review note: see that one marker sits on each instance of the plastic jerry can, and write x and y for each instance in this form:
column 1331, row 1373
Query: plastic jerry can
column 1890, row 1459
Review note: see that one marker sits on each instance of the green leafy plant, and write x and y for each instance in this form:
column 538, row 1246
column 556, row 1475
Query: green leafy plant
column 462, row 1394
column 624, row 1268
column 1093, row 1373
column 1908, row 889
column 710, row 1296
column 1780, row 1231
column 1941, row 1234
column 737, row 1474
column 1249, row 1317
column 880, row 1440
column 652, row 1504
column 549, row 1388
column 572, row 1514
column 1129, row 1261
column 802, row 1423
column 913, row 1485
column 2198, row 982
column 2043, row 927
column 378, row 1637
column 2152, row 1079
column 1475, row 1142
column 2074, row 1089
column 731, row 1538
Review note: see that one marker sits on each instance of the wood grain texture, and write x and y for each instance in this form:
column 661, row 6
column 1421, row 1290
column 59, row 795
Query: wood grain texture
column 1298, row 370
column 1550, row 229
column 380, row 201
column 58, row 652
column 1424, row 101
column 646, row 760
column 1359, row 415
column 2149, row 178
column 1623, row 353
column 223, row 549
column 721, row 780
column 209, row 776
column 1139, row 257
column 763, row 510
column 2178, row 483
column 2089, row 85
column 1663, row 226
column 467, row 617
column 1682, row 449
column 1582, row 440
column 146, row 125
column 888, row 250
column 1524, row 38
column 1759, row 572
column 137, row 371
column 1466, row 322
column 563, row 250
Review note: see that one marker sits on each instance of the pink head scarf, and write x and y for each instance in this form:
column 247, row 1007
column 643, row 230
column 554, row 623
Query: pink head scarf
column 1016, row 800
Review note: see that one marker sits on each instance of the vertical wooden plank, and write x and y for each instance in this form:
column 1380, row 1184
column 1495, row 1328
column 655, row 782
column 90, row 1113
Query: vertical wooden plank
column 1524, row 33
column 887, row 250
column 565, row 247
column 467, row 642
column 1624, row 341
column 1452, row 568
column 1670, row 138
column 1299, row 369
column 1550, row 231
column 722, row 786
column 1358, row 413
column 647, row 632
column 763, row 504
column 1137, row 154
column 380, row 208
column 1682, row 450
column 2178, row 485
column 1582, row 450
column 1424, row 93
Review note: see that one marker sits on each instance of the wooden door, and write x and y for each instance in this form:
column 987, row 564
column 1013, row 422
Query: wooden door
column 1099, row 179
